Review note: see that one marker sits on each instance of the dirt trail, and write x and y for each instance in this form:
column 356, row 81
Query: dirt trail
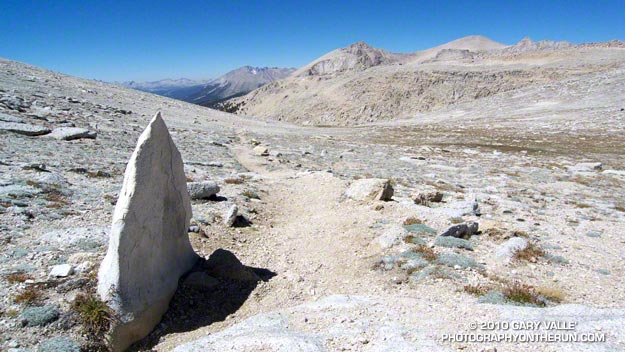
column 316, row 243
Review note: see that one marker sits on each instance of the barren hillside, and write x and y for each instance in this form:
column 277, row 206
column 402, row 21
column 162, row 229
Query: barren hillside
column 360, row 84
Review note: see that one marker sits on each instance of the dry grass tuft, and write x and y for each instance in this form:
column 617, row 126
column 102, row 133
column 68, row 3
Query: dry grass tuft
column 522, row 293
column 14, row 278
column 426, row 252
column 531, row 253
column 412, row 221
column 29, row 296
column 551, row 293
column 233, row 181
column 476, row 290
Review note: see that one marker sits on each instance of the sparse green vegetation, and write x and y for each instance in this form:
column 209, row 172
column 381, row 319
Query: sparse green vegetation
column 95, row 315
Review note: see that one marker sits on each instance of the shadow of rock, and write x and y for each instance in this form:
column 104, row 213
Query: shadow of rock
column 217, row 198
column 212, row 290
column 242, row 221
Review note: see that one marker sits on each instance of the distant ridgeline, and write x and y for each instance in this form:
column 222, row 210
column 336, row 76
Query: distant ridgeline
column 233, row 84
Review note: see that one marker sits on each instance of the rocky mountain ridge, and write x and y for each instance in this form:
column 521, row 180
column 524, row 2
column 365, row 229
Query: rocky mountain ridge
column 361, row 84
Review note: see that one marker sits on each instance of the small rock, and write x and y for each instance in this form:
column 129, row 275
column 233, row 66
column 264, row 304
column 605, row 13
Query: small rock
column 425, row 197
column 202, row 190
column 370, row 189
column 194, row 229
column 261, row 151
column 231, row 216
column 63, row 270
column 464, row 230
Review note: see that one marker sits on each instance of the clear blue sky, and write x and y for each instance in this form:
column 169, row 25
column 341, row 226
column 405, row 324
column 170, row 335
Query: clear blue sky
column 147, row 40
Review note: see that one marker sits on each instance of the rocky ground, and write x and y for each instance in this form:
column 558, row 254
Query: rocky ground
column 540, row 169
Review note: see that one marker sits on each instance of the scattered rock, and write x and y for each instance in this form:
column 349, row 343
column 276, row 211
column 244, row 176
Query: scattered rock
column 24, row 128
column 425, row 197
column 135, row 282
column 14, row 103
column 231, row 217
column 505, row 252
column 202, row 190
column 62, row 270
column 261, row 151
column 370, row 189
column 10, row 118
column 464, row 230
column 71, row 133
column 39, row 316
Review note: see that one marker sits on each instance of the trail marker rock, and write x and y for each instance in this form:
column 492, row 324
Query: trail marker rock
column 149, row 249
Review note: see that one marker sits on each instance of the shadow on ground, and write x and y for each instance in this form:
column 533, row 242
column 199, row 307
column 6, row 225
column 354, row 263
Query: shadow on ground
column 212, row 290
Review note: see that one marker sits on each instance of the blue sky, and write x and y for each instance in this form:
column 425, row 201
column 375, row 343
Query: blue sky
column 147, row 40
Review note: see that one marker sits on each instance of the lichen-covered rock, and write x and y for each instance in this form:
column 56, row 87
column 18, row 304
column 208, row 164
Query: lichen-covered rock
column 149, row 248
column 58, row 344
column 370, row 189
column 457, row 260
column 453, row 242
column 39, row 316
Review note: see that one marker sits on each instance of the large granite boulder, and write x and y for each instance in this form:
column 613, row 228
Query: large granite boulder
column 149, row 249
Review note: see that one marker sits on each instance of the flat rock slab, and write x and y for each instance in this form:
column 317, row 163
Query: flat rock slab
column 10, row 118
column 149, row 248
column 24, row 128
column 350, row 317
column 71, row 133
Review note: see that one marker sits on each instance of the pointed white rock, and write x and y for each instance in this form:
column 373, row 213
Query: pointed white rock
column 149, row 248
